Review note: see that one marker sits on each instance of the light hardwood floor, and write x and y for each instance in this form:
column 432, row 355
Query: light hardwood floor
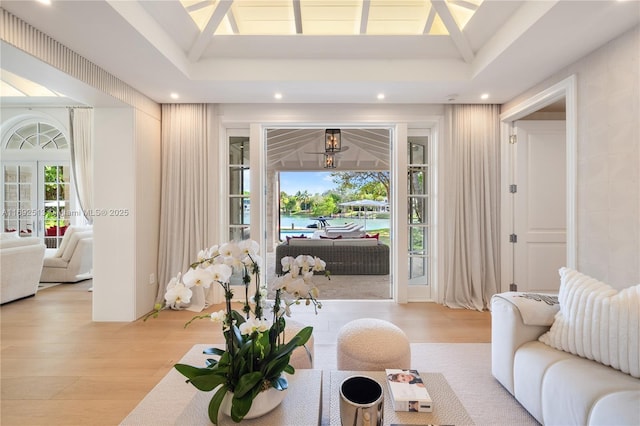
column 60, row 368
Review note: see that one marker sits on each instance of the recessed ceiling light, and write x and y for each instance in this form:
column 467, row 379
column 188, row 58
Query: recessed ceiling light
column 174, row 96
column 484, row 96
column 46, row 2
column 278, row 96
column 380, row 96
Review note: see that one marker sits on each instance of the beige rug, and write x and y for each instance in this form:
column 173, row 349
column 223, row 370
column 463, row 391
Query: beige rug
column 467, row 368
column 42, row 286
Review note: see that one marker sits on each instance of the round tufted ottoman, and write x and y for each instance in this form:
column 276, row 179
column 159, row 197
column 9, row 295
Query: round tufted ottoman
column 372, row 344
column 301, row 357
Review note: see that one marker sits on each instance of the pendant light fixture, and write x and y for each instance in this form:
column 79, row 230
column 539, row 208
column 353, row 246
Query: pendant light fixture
column 329, row 160
column 332, row 140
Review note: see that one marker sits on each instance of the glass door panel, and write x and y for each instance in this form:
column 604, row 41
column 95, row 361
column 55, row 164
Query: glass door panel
column 239, row 205
column 19, row 198
column 56, row 198
column 418, row 208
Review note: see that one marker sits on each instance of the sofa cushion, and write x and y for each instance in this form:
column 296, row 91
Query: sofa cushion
column 616, row 406
column 597, row 322
column 19, row 242
column 55, row 262
column 356, row 242
column 67, row 237
column 309, row 242
column 73, row 243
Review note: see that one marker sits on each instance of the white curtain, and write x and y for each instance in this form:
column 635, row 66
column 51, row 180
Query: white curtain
column 184, row 217
column 81, row 143
column 472, row 206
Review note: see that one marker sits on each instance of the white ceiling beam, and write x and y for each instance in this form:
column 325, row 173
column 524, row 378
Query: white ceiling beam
column 456, row 35
column 364, row 17
column 207, row 34
column 232, row 22
column 297, row 14
column 197, row 6
column 429, row 22
column 465, row 4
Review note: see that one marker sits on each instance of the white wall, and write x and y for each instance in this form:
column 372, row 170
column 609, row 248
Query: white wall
column 114, row 251
column 147, row 206
column 608, row 205
column 127, row 192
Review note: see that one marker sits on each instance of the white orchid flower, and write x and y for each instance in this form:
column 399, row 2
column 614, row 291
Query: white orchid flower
column 218, row 317
column 198, row 278
column 249, row 247
column 319, row 264
column 287, row 263
column 297, row 287
column 230, row 249
column 220, row 272
column 177, row 294
column 254, row 324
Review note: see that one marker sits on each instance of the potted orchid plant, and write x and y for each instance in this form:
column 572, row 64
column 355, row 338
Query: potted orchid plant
column 256, row 353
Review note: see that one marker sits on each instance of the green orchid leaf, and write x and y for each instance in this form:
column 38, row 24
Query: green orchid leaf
column 240, row 406
column 214, row 404
column 211, row 363
column 209, row 383
column 248, row 382
column 213, row 351
column 237, row 336
column 190, row 372
column 238, row 318
column 304, row 335
column 276, row 366
column 289, row 369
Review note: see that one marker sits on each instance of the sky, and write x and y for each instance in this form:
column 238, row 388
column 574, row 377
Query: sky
column 312, row 182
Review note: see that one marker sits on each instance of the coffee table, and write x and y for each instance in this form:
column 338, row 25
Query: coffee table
column 447, row 408
column 174, row 402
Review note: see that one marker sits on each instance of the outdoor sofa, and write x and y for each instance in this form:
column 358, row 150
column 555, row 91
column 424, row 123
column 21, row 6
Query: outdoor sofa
column 344, row 256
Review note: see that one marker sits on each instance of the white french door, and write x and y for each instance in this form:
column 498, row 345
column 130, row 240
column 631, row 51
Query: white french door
column 37, row 199
column 19, row 198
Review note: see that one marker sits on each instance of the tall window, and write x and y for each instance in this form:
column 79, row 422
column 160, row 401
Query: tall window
column 239, row 206
column 56, row 202
column 36, row 181
column 418, row 208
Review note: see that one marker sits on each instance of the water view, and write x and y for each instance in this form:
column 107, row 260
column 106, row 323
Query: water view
column 296, row 225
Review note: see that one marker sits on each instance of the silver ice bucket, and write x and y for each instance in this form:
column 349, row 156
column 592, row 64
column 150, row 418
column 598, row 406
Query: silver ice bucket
column 361, row 402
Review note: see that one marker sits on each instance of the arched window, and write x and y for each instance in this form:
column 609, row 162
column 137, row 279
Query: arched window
column 37, row 135
column 36, row 180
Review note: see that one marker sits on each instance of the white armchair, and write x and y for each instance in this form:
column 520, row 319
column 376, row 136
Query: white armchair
column 20, row 266
column 72, row 261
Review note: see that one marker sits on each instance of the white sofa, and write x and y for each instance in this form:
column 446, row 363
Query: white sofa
column 20, row 266
column 72, row 261
column 584, row 369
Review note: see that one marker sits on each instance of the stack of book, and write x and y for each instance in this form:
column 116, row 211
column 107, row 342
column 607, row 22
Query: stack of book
column 408, row 391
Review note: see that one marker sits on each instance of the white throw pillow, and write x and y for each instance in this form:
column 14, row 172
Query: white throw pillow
column 597, row 322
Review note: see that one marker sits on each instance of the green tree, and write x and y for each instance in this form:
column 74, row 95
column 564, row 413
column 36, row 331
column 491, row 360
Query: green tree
column 287, row 203
column 348, row 181
column 303, row 198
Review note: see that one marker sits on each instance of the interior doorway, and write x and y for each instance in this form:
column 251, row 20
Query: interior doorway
column 291, row 152
column 516, row 262
column 539, row 214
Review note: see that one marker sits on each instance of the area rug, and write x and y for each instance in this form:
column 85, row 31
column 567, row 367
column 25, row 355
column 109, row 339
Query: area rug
column 42, row 286
column 467, row 368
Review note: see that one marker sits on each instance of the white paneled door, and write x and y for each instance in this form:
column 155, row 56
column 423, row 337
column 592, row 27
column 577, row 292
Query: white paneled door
column 539, row 205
